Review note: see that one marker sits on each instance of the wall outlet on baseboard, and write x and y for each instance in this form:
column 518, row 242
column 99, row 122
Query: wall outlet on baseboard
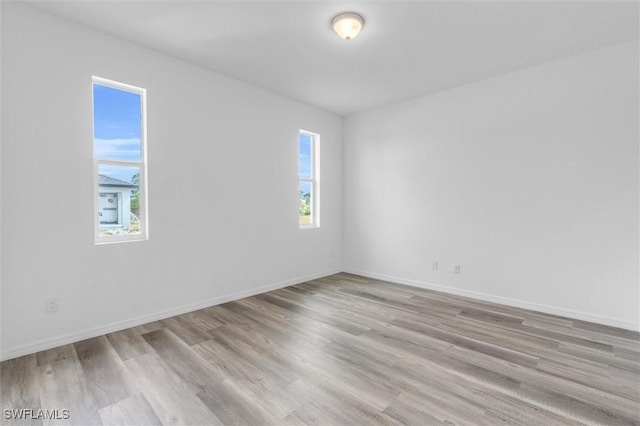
column 434, row 265
column 456, row 269
column 51, row 305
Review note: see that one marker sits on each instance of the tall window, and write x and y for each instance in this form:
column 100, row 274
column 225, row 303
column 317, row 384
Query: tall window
column 119, row 142
column 308, row 182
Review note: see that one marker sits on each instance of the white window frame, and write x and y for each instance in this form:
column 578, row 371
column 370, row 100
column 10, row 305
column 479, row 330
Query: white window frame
column 141, row 165
column 314, row 179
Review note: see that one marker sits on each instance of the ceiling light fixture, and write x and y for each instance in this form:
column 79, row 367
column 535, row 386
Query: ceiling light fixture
column 347, row 25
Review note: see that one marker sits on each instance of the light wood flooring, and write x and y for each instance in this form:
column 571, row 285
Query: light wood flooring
column 342, row 350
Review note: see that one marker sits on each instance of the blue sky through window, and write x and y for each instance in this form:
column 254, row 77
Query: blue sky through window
column 305, row 187
column 117, row 128
column 305, row 156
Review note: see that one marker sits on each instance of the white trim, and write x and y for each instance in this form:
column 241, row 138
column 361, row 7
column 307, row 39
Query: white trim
column 121, row 163
column 117, row 85
column 88, row 333
column 554, row 310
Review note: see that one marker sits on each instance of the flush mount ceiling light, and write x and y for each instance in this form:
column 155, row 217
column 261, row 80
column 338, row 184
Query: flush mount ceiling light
column 347, row 25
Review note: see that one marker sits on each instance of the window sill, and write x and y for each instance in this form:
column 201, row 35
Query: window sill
column 119, row 239
column 309, row 226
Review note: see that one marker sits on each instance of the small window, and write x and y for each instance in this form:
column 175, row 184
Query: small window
column 119, row 152
column 308, row 181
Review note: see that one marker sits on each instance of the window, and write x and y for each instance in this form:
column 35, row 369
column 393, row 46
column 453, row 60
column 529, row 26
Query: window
column 308, row 181
column 119, row 152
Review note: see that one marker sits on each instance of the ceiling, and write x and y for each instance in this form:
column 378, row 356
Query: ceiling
column 405, row 49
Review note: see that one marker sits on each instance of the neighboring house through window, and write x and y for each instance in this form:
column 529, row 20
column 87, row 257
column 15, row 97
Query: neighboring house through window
column 119, row 147
column 114, row 202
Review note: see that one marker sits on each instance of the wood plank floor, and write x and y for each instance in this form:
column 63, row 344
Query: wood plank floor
column 340, row 350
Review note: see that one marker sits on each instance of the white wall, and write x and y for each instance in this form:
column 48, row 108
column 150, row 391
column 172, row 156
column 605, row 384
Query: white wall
column 1, row 177
column 223, row 193
column 528, row 180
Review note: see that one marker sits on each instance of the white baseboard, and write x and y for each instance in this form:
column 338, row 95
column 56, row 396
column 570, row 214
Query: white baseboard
column 554, row 310
column 88, row 333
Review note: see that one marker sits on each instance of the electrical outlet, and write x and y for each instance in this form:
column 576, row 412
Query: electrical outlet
column 434, row 265
column 51, row 305
column 456, row 269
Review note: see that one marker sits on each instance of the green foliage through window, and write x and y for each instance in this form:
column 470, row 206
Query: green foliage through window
column 135, row 194
column 305, row 204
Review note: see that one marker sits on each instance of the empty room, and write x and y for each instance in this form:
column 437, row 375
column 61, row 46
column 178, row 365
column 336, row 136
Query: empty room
column 319, row 213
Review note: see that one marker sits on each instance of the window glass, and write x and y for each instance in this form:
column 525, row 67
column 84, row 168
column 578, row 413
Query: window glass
column 305, row 156
column 308, row 180
column 119, row 147
column 118, row 200
column 305, row 203
column 117, row 124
